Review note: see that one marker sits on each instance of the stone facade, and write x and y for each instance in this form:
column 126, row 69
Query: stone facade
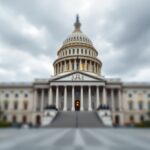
column 77, row 78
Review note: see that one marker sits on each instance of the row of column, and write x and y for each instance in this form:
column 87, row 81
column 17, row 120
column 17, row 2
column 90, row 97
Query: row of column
column 72, row 65
column 104, row 98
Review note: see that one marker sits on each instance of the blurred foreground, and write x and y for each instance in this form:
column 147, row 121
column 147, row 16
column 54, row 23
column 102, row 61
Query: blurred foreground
column 76, row 139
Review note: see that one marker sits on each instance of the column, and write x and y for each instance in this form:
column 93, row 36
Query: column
column 55, row 69
column 70, row 66
column 72, row 99
column 65, row 68
column 50, row 101
column 119, row 100
column 85, row 65
column 97, row 97
column 60, row 66
column 57, row 97
column 35, row 100
column 98, row 72
column 104, row 96
column 81, row 91
column 90, row 65
column 75, row 64
column 42, row 99
column 65, row 98
column 112, row 100
column 94, row 67
column 80, row 68
column 89, row 98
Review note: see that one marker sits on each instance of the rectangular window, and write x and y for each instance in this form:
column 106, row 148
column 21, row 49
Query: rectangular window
column 140, row 105
column 130, row 105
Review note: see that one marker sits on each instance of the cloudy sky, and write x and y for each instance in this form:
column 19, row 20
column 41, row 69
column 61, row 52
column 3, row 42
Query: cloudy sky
column 31, row 31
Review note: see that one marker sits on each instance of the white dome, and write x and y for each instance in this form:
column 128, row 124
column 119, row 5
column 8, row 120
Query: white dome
column 77, row 36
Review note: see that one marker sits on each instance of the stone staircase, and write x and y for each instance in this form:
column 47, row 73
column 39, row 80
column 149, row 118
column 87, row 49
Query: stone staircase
column 77, row 119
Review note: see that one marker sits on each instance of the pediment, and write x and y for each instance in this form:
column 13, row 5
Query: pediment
column 78, row 76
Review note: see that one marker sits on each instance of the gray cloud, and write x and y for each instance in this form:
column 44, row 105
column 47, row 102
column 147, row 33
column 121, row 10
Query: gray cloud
column 120, row 31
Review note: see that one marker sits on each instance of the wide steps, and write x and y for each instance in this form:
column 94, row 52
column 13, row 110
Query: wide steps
column 77, row 119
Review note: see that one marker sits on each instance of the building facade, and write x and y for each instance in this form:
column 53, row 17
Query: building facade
column 77, row 84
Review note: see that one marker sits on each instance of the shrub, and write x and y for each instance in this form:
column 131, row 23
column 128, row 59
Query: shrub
column 4, row 124
column 143, row 124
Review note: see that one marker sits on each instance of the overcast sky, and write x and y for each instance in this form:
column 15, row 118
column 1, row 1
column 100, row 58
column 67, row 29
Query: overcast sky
column 31, row 31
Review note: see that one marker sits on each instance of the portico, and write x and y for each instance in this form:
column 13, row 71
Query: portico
column 90, row 92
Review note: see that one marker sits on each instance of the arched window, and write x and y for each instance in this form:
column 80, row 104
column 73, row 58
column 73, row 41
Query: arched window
column 85, row 51
column 25, row 95
column 15, row 105
column 130, row 105
column 131, row 119
column 117, row 120
column 6, row 105
column 140, row 105
column 16, row 95
column 130, row 95
column 38, row 120
column 6, row 95
column 141, row 118
column 14, row 119
column 25, row 105
column 24, row 119
column 4, row 118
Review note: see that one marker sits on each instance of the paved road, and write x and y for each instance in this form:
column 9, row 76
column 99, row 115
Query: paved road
column 76, row 139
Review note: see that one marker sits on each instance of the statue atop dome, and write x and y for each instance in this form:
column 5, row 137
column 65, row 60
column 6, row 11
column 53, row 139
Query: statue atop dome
column 77, row 24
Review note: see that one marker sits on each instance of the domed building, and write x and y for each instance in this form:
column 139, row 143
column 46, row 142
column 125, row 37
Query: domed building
column 77, row 85
column 77, row 53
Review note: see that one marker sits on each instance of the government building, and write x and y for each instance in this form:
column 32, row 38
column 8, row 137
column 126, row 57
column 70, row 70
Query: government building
column 77, row 85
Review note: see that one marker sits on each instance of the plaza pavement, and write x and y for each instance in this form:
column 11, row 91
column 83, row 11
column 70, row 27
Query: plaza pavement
column 75, row 139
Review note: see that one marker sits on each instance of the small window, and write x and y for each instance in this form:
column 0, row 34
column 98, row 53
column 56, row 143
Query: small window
column 81, row 51
column 85, row 51
column 16, row 95
column 6, row 105
column 25, row 95
column 141, row 118
column 24, row 119
column 77, row 51
column 15, row 105
column 4, row 118
column 73, row 51
column 140, row 105
column 69, row 51
column 131, row 119
column 7, row 95
column 130, row 105
column 25, row 105
column 14, row 119
column 130, row 95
